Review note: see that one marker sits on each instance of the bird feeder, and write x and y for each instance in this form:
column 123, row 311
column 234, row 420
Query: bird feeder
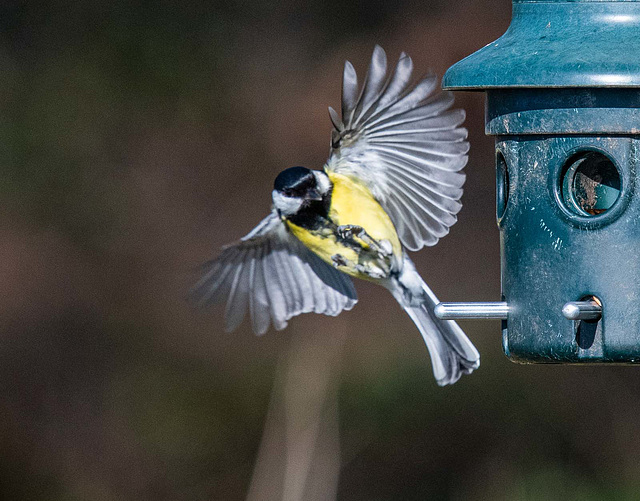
column 563, row 103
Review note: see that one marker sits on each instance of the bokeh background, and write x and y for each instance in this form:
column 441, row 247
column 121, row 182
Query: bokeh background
column 139, row 137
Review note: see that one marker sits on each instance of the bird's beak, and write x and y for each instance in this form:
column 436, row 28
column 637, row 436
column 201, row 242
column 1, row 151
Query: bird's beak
column 314, row 195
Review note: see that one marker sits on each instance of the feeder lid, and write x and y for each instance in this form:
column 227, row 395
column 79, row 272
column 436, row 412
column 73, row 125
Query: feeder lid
column 558, row 43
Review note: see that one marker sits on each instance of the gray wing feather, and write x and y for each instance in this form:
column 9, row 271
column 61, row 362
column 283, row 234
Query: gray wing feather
column 349, row 89
column 405, row 144
column 279, row 302
column 260, row 309
column 237, row 302
column 273, row 276
column 399, row 81
column 373, row 84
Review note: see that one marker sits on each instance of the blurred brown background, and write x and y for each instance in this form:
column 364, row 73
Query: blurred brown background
column 138, row 138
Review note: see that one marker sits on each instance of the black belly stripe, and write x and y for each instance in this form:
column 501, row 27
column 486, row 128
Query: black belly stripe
column 310, row 220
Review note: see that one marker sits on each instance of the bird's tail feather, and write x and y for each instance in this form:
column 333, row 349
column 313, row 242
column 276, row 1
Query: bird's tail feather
column 452, row 354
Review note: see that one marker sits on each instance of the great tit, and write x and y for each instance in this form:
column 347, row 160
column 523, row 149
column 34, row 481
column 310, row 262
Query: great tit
column 392, row 183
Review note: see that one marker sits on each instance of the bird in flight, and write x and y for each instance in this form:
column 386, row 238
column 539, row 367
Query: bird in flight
column 392, row 183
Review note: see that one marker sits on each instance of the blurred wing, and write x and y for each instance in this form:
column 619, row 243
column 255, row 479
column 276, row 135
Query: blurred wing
column 276, row 277
column 405, row 144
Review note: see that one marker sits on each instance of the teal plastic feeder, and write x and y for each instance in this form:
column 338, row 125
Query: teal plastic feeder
column 563, row 103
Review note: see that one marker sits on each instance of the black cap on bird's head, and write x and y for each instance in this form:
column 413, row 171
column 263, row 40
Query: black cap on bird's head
column 297, row 187
column 294, row 178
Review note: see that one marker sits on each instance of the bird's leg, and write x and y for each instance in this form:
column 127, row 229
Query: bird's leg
column 384, row 247
column 348, row 231
column 374, row 272
column 340, row 260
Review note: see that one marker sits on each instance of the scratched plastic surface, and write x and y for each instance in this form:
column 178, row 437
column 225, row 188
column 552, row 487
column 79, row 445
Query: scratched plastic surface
column 558, row 94
column 551, row 255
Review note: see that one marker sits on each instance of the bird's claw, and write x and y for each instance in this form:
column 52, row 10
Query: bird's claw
column 349, row 231
column 371, row 271
column 340, row 260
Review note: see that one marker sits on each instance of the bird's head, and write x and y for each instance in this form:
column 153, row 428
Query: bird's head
column 298, row 188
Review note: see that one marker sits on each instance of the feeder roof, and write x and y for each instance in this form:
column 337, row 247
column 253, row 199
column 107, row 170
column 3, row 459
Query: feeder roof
column 553, row 43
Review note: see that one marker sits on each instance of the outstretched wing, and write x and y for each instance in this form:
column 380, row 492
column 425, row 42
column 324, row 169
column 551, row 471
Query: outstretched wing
column 405, row 144
column 275, row 276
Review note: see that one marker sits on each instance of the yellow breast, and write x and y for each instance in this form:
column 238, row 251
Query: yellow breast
column 351, row 204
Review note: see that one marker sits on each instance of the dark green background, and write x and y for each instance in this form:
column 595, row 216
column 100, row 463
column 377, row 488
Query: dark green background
column 139, row 137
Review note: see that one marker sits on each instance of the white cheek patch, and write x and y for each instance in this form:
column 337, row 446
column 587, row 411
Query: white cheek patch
column 287, row 206
column 322, row 182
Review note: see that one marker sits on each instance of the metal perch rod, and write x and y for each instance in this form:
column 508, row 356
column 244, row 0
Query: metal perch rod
column 488, row 310
column 573, row 310
column 582, row 310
